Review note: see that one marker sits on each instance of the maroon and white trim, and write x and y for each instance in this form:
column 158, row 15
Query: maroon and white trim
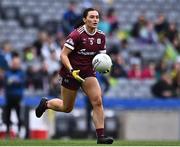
column 69, row 46
column 102, row 51
column 91, row 34
column 80, row 30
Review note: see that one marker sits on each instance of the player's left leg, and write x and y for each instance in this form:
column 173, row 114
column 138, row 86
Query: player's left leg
column 92, row 89
column 65, row 104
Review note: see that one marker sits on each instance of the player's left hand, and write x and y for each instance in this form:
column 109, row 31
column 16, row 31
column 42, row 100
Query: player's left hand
column 75, row 74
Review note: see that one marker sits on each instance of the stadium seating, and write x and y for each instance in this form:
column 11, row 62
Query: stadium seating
column 48, row 10
column 10, row 12
column 131, row 89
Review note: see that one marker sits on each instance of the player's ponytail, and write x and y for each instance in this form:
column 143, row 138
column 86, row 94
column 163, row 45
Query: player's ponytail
column 79, row 23
column 85, row 13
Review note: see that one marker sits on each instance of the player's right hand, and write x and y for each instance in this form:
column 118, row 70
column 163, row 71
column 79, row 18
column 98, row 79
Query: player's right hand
column 75, row 74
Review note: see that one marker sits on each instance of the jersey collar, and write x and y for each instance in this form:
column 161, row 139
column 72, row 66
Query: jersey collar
column 91, row 34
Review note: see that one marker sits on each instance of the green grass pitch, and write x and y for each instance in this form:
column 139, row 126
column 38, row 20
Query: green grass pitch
column 61, row 142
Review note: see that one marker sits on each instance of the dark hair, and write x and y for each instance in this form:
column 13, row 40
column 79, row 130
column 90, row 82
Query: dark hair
column 84, row 15
column 15, row 54
column 110, row 11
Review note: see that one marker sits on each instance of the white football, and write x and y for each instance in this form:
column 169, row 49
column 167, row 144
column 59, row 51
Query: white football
column 102, row 63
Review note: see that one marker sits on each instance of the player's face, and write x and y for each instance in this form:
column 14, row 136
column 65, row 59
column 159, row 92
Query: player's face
column 92, row 19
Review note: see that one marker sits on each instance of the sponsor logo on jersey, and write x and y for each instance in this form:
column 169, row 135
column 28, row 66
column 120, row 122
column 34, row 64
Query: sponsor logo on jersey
column 84, row 52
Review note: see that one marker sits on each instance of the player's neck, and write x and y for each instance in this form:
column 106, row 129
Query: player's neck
column 90, row 31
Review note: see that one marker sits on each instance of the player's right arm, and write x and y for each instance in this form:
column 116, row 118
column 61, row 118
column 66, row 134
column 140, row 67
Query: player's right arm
column 65, row 60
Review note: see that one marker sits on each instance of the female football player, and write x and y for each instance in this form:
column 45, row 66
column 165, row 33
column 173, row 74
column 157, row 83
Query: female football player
column 79, row 49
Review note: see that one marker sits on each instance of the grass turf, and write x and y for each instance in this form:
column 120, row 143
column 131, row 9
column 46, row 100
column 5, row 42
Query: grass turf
column 60, row 142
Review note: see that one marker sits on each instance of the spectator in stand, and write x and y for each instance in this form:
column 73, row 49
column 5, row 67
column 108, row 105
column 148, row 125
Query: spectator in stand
column 42, row 37
column 60, row 39
column 160, row 68
column 28, row 54
column 147, row 33
column 30, row 57
column 176, row 67
column 104, row 25
column 138, row 25
column 117, row 69
column 161, row 25
column 3, row 62
column 14, row 87
column 124, row 50
column 3, row 68
column 170, row 53
column 52, row 62
column 149, row 71
column 6, row 51
column 44, row 75
column 176, row 76
column 135, row 72
column 1, row 81
column 176, row 44
column 164, row 88
column 70, row 18
column 176, row 84
column 34, row 78
column 50, row 45
column 37, row 77
column 172, row 32
column 112, row 19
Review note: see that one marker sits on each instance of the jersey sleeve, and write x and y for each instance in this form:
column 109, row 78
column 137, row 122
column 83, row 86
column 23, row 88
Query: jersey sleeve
column 72, row 40
column 103, row 48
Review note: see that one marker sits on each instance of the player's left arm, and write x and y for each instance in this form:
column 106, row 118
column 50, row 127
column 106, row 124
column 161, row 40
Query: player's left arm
column 103, row 45
column 64, row 57
column 103, row 50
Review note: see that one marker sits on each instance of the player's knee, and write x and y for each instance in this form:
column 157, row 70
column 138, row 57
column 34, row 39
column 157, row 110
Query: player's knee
column 97, row 102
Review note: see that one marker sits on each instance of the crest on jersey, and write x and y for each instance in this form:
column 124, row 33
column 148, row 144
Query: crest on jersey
column 99, row 41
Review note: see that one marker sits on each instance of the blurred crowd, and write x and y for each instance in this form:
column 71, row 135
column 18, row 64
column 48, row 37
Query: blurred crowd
column 40, row 61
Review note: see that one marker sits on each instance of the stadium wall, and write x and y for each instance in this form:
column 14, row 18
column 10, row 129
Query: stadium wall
column 150, row 124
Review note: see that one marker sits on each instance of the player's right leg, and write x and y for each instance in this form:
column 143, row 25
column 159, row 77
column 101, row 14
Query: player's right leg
column 62, row 105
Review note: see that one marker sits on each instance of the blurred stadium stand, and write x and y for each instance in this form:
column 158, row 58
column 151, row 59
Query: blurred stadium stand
column 36, row 13
column 131, row 89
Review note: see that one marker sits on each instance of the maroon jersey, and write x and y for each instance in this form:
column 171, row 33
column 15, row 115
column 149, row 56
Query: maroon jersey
column 84, row 47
